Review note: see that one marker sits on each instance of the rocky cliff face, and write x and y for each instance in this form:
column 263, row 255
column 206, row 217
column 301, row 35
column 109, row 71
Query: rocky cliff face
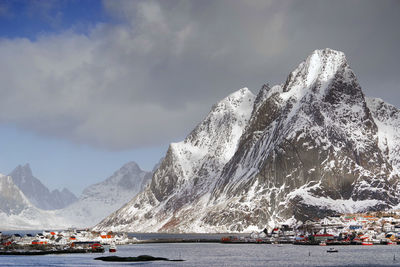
column 38, row 194
column 306, row 148
column 387, row 119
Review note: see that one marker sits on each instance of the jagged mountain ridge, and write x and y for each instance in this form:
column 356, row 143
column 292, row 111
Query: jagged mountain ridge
column 317, row 152
column 99, row 200
column 309, row 147
column 17, row 212
column 38, row 194
column 183, row 176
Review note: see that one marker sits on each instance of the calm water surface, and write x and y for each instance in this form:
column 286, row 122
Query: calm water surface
column 215, row 254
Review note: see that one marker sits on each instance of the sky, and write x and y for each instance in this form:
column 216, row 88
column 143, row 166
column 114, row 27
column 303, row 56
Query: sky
column 87, row 86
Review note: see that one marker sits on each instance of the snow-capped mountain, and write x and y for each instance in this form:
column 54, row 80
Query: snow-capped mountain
column 309, row 147
column 185, row 175
column 101, row 199
column 16, row 211
column 38, row 194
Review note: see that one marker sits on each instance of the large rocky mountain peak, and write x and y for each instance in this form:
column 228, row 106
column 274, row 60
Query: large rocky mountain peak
column 307, row 148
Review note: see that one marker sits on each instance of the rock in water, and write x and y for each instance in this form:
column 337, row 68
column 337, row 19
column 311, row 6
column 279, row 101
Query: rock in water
column 133, row 259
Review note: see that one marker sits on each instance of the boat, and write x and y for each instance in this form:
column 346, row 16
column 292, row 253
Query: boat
column 331, row 250
column 367, row 243
column 113, row 248
column 96, row 247
column 233, row 239
column 323, row 243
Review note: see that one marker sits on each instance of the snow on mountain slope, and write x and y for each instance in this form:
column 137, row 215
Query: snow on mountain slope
column 16, row 212
column 387, row 119
column 186, row 174
column 12, row 200
column 38, row 194
column 101, row 199
column 310, row 150
column 310, row 147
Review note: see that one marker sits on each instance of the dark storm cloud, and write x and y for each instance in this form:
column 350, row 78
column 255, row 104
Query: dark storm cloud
column 152, row 74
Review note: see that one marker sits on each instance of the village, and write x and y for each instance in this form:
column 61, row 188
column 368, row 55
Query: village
column 373, row 228
column 358, row 229
column 66, row 241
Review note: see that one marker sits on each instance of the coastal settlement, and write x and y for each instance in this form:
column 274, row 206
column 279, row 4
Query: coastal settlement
column 371, row 228
column 341, row 229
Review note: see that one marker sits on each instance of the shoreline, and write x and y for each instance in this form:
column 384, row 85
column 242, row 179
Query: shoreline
column 45, row 252
column 19, row 251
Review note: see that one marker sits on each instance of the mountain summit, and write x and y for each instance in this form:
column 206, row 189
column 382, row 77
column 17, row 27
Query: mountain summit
column 101, row 199
column 38, row 194
column 307, row 148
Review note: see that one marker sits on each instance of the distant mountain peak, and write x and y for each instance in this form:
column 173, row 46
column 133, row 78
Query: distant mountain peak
column 26, row 166
column 37, row 193
column 17, row 212
column 100, row 199
column 22, row 170
column 132, row 166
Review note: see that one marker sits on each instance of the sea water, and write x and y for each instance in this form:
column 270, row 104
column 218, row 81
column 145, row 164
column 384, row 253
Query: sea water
column 216, row 254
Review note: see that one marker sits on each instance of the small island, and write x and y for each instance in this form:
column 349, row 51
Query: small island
column 134, row 259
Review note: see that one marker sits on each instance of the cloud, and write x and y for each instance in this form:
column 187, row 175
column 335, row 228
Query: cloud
column 149, row 76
